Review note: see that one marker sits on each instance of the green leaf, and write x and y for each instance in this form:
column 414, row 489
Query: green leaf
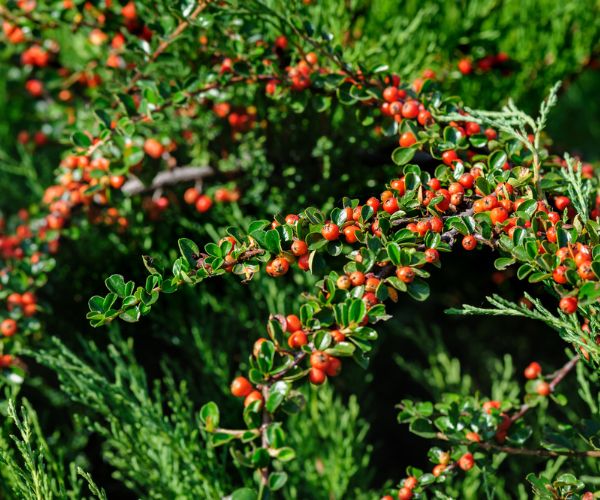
column 497, row 160
column 131, row 315
column 213, row 249
column 357, row 311
column 273, row 241
column 341, row 349
column 285, row 454
column 116, row 284
column 527, row 209
column 81, row 140
column 96, row 303
column 277, row 480
column 244, row 494
column 189, row 250
column 104, row 117
column 401, row 156
column 344, row 95
column 221, row 438
column 589, row 293
column 277, row 394
column 418, row 289
column 109, row 300
column 260, row 458
column 423, row 428
column 322, row 340
column 523, row 271
column 503, row 262
column 266, row 356
column 413, row 181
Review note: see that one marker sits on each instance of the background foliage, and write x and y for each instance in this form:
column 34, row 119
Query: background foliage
column 116, row 413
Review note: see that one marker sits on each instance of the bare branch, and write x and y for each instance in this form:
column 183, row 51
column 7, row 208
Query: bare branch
column 167, row 178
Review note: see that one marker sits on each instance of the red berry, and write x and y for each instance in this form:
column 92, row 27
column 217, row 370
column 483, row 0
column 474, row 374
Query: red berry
column 424, row 118
column 292, row 323
column 585, row 271
column 568, row 305
column 338, row 336
column 357, row 278
column 561, row 202
column 14, row 300
column 560, row 275
column 404, row 493
column 490, row 133
column 27, row 298
column 472, row 128
column 253, row 396
column 466, row 462
column 543, row 388
column 162, row 203
column 437, row 225
column 319, row 359
column 8, row 327
column 291, row 219
column 423, row 226
column 473, row 437
column 334, row 367
column 304, row 262
column 410, row 109
column 411, row 482
column 297, row 339
column 465, row 66
column 443, row 205
column 373, row 203
column 554, row 217
column 317, row 376
column 466, row 180
column 405, row 274
column 391, row 205
column 390, row 94
column 438, row 470
column 533, row 370
column 432, row 255
column 448, row 157
column 350, row 233
column 153, row 148
column 407, row 139
column 278, row 267
column 498, row 215
column 241, row 387
column 469, row 242
column 257, row 346
column 281, row 42
column 489, row 405
column 434, row 184
column 397, row 185
column 299, row 248
column 203, row 203
column 456, row 188
column 330, row 231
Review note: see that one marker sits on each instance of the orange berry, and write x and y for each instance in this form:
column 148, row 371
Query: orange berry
column 241, row 387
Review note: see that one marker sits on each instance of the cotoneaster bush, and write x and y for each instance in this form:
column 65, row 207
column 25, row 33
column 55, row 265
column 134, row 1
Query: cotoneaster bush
column 488, row 189
column 163, row 124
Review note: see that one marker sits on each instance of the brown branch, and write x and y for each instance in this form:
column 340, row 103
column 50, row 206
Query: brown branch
column 266, row 420
column 167, row 178
column 486, row 445
column 557, row 377
column 297, row 360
